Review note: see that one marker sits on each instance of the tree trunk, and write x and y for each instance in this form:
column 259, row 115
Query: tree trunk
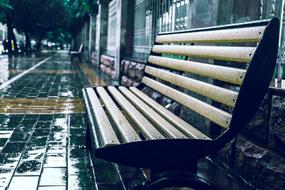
column 10, row 33
column 38, row 46
column 16, row 50
column 28, row 42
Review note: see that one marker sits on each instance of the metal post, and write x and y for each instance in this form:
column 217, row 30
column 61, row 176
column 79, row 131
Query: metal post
column 102, row 24
column 118, row 42
column 281, row 60
column 90, row 37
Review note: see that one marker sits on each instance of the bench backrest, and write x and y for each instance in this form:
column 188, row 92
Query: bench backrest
column 243, row 57
column 80, row 48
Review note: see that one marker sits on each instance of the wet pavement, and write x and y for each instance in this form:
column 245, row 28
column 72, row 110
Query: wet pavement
column 42, row 126
column 12, row 66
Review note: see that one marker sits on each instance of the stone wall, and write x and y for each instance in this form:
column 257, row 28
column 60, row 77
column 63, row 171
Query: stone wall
column 258, row 153
column 107, row 64
column 131, row 72
column 93, row 59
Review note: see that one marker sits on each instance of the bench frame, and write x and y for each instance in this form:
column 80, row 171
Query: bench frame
column 248, row 102
column 77, row 54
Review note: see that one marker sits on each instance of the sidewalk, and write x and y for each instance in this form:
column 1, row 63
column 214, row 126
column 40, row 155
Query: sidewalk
column 42, row 132
column 42, row 127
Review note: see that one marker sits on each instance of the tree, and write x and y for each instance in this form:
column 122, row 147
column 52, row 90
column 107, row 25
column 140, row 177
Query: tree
column 5, row 17
column 37, row 17
column 5, row 5
column 59, row 36
column 78, row 12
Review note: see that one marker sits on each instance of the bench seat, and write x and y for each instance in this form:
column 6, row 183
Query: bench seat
column 221, row 74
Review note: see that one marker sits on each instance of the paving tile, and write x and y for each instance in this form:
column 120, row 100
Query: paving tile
column 3, row 141
column 57, row 143
column 32, row 117
column 7, row 127
column 43, row 125
column 41, row 132
column 46, row 117
column 57, row 128
column 24, row 183
column 20, row 136
column 78, row 152
column 5, row 177
column 76, row 182
column 29, row 122
column 29, row 167
column 13, row 147
column 55, row 160
column 76, row 165
column 53, row 149
column 8, row 161
column 38, row 141
column 58, row 137
column 76, row 140
column 61, row 120
column 53, row 176
column 77, row 131
column 34, row 152
column 5, row 134
column 24, row 128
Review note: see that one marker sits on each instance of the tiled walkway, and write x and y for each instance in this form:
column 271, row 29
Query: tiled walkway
column 42, row 127
column 42, row 131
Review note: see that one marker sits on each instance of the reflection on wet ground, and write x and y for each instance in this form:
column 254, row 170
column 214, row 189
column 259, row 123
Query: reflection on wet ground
column 42, row 126
column 41, row 105
column 93, row 77
column 11, row 66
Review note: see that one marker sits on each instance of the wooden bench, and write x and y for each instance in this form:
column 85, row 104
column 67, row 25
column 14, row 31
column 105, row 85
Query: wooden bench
column 77, row 54
column 128, row 127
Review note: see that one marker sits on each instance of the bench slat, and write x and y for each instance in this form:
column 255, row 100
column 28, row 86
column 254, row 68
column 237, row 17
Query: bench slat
column 253, row 34
column 225, row 53
column 191, row 131
column 128, row 133
column 107, row 133
column 214, row 114
column 227, row 74
column 216, row 93
column 145, row 126
column 163, row 124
